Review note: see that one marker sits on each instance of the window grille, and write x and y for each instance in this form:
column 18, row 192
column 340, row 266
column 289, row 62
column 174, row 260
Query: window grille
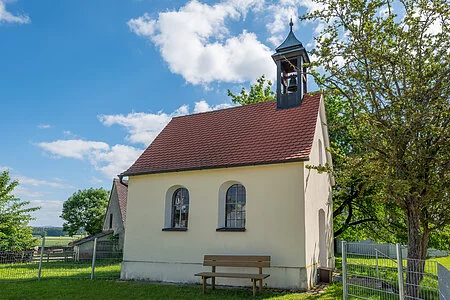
column 235, row 206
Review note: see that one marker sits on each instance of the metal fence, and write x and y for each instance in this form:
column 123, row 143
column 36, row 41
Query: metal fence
column 371, row 272
column 103, row 261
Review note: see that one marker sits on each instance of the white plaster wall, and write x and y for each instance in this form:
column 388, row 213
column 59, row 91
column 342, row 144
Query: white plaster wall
column 318, row 196
column 274, row 224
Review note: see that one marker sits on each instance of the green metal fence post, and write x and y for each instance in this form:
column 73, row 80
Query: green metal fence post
column 401, row 293
column 40, row 259
column 344, row 270
column 94, row 252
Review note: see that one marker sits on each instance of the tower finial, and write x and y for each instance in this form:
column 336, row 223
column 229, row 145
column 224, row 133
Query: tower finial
column 291, row 24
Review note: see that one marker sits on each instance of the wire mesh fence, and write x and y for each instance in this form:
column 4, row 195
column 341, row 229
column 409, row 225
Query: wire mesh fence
column 16, row 265
column 421, row 279
column 96, row 259
column 373, row 271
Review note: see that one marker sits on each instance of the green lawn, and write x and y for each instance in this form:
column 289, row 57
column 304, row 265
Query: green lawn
column 108, row 289
column 58, row 269
column 69, row 280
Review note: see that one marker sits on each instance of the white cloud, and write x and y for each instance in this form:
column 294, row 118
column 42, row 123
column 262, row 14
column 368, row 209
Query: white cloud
column 203, row 106
column 118, row 159
column 283, row 11
column 44, row 126
column 142, row 26
column 39, row 182
column 196, row 43
column 109, row 160
column 32, row 187
column 435, row 24
column 24, row 192
column 73, row 148
column 95, row 180
column 5, row 168
column 49, row 213
column 70, row 134
column 278, row 28
column 143, row 127
column 7, row 17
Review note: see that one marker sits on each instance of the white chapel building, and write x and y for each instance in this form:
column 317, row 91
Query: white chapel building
column 235, row 182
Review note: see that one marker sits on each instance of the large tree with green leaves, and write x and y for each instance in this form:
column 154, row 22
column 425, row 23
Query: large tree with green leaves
column 357, row 215
column 15, row 234
column 86, row 210
column 259, row 92
column 390, row 61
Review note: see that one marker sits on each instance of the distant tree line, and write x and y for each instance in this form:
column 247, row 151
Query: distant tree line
column 52, row 231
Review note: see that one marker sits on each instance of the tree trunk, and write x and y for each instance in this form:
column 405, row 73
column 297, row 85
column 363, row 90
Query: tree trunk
column 417, row 249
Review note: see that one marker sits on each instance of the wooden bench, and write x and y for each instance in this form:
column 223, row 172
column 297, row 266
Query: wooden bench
column 235, row 261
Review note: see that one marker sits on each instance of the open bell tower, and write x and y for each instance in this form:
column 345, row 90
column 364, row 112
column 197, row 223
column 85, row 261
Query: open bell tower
column 290, row 58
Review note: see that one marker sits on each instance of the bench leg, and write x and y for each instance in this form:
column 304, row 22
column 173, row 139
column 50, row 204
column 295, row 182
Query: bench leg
column 213, row 283
column 260, row 285
column 204, row 285
column 254, row 287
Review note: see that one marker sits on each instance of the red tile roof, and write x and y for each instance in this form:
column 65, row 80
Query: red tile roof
column 122, row 194
column 244, row 135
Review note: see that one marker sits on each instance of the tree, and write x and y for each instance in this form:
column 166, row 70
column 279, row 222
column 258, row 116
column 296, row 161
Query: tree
column 393, row 72
column 15, row 234
column 259, row 92
column 357, row 215
column 86, row 210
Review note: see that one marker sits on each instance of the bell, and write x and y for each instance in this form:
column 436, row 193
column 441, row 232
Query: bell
column 292, row 85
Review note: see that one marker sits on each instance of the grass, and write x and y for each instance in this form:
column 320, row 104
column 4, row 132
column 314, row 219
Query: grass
column 108, row 289
column 59, row 269
column 70, row 280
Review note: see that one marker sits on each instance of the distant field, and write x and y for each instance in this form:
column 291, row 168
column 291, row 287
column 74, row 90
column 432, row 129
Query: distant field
column 57, row 240
column 445, row 261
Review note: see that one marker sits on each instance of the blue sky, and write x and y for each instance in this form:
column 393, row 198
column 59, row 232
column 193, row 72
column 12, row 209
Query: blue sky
column 85, row 86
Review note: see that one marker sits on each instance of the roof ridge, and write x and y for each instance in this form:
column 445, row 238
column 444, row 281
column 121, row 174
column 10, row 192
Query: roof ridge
column 222, row 109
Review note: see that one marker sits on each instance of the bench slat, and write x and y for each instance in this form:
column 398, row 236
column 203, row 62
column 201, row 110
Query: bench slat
column 238, row 257
column 233, row 275
column 229, row 263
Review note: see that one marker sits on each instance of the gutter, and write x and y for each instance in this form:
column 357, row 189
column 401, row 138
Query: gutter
column 121, row 181
column 302, row 159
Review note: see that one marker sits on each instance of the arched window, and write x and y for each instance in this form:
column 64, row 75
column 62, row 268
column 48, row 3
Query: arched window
column 180, row 208
column 235, row 206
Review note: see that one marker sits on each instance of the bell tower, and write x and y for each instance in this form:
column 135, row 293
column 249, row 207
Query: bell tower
column 290, row 58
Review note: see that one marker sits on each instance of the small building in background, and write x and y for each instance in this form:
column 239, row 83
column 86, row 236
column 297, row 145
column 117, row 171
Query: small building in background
column 110, row 240
column 83, row 249
column 116, row 214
